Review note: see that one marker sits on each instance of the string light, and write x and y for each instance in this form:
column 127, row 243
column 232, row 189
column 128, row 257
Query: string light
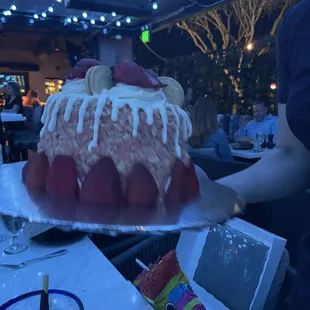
column 128, row 20
column 83, row 21
column 250, row 46
column 155, row 6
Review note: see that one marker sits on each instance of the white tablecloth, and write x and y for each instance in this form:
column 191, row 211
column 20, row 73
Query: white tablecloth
column 249, row 154
column 12, row 117
column 84, row 271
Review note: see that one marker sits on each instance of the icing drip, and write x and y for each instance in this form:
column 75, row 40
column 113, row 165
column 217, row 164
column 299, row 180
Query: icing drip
column 46, row 119
column 120, row 96
column 48, row 102
column 82, row 112
column 69, row 107
column 164, row 120
column 177, row 130
column 187, row 125
column 53, row 120
column 97, row 115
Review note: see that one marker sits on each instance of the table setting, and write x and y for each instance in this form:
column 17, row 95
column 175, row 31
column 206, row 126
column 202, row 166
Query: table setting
column 252, row 147
column 79, row 276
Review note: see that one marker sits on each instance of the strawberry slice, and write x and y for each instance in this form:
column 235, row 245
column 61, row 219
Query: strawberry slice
column 191, row 189
column 142, row 194
column 176, row 188
column 102, row 185
column 62, row 178
column 35, row 172
column 25, row 171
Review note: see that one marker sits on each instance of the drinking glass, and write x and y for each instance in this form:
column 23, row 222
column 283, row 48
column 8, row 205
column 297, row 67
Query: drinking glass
column 15, row 226
column 260, row 138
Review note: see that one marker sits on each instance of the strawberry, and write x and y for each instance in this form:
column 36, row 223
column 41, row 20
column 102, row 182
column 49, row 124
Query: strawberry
column 36, row 171
column 25, row 171
column 141, row 194
column 79, row 71
column 191, row 189
column 176, row 188
column 102, row 185
column 129, row 73
column 142, row 190
column 62, row 178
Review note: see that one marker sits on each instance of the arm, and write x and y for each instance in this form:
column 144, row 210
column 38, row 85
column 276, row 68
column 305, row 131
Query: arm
column 279, row 174
column 287, row 169
column 222, row 144
column 274, row 129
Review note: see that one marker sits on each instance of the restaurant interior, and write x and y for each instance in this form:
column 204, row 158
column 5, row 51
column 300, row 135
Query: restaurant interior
column 249, row 263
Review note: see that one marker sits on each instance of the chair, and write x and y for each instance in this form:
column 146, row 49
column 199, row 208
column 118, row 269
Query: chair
column 28, row 139
column 217, row 168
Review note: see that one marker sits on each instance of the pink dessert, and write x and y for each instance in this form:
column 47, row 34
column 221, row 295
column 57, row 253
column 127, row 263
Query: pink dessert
column 127, row 141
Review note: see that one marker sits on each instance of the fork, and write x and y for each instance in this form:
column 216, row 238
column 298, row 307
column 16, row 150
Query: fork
column 34, row 260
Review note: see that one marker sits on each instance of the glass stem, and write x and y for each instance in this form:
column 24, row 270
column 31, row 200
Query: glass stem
column 14, row 240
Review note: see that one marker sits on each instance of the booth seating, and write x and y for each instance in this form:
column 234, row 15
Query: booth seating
column 22, row 141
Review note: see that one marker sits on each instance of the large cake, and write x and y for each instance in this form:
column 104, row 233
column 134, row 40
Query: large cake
column 115, row 140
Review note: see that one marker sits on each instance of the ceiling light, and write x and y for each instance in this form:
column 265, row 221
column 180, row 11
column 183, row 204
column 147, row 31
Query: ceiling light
column 84, row 14
column 36, row 16
column 155, row 6
column 102, row 18
column 92, row 21
column 118, row 23
column 13, row 7
column 128, row 20
column 75, row 19
column 113, row 14
column 50, row 9
column 43, row 14
column 69, row 20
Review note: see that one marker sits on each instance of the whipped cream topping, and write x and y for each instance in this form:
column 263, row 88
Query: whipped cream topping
column 121, row 95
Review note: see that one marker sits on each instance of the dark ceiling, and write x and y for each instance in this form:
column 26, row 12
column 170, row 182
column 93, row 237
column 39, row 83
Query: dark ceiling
column 130, row 14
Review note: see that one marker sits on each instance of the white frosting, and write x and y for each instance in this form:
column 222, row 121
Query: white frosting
column 121, row 95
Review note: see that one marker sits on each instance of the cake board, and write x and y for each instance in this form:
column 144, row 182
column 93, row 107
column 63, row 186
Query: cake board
column 216, row 204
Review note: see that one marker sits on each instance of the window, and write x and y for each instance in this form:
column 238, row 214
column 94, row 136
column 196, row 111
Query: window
column 52, row 86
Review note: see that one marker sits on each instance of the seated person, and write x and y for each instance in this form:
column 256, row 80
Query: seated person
column 262, row 122
column 14, row 102
column 207, row 137
column 32, row 99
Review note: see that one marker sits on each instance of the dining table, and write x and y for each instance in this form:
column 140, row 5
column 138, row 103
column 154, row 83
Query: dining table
column 250, row 154
column 6, row 117
column 83, row 270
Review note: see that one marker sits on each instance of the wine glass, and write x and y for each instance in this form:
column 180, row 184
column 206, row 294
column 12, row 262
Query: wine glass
column 260, row 138
column 14, row 225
